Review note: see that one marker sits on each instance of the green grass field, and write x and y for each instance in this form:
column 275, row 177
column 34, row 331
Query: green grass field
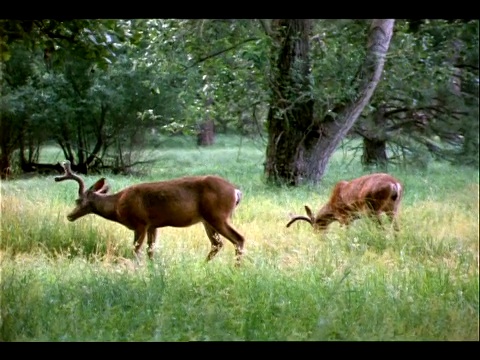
column 63, row 281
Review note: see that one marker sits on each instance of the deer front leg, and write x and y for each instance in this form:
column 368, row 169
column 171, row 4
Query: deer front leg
column 344, row 220
column 151, row 236
column 215, row 240
column 378, row 219
column 396, row 227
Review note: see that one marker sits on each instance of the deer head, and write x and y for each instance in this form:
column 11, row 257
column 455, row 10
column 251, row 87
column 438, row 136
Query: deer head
column 84, row 202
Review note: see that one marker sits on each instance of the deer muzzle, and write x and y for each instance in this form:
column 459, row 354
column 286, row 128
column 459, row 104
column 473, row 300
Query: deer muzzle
column 74, row 215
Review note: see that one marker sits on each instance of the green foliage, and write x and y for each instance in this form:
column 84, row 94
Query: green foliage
column 100, row 88
column 65, row 281
column 338, row 50
column 426, row 116
column 89, row 84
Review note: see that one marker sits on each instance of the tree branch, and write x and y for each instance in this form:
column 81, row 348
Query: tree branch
column 219, row 52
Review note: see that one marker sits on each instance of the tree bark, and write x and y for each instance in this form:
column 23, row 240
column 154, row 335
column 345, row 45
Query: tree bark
column 374, row 153
column 374, row 136
column 299, row 145
column 206, row 133
column 206, row 129
column 291, row 105
column 10, row 132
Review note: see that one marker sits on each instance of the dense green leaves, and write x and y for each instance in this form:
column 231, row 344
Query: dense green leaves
column 97, row 87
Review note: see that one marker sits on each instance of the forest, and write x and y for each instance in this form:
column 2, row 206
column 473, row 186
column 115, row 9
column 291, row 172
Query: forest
column 103, row 91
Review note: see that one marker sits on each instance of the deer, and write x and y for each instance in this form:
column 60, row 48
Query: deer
column 369, row 195
column 179, row 203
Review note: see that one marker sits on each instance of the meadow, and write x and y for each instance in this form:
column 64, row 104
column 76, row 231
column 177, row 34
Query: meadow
column 63, row 281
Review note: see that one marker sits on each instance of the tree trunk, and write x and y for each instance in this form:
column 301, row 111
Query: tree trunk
column 299, row 146
column 5, row 168
column 469, row 154
column 206, row 133
column 291, row 105
column 9, row 136
column 374, row 140
column 206, row 129
column 374, row 153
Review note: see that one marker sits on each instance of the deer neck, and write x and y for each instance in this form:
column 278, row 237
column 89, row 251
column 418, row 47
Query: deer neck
column 105, row 206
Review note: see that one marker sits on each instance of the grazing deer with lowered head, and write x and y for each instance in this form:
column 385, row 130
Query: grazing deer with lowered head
column 369, row 195
column 181, row 202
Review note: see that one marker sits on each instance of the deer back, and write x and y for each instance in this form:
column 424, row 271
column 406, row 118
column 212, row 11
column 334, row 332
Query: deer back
column 374, row 191
column 179, row 202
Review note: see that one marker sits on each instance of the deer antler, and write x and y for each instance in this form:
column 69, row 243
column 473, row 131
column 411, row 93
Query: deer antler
column 310, row 218
column 69, row 175
column 299, row 217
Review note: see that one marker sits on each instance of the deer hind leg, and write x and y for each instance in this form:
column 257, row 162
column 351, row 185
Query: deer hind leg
column 151, row 236
column 393, row 219
column 215, row 240
column 226, row 230
column 139, row 237
column 393, row 214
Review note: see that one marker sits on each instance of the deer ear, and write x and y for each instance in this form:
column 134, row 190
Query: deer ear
column 105, row 188
column 100, row 186
column 309, row 211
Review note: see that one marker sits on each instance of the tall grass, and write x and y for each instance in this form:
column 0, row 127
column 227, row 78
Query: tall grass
column 63, row 281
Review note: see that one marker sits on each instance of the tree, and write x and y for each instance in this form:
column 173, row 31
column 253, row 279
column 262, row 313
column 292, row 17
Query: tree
column 221, row 64
column 427, row 106
column 96, row 108
column 300, row 143
column 24, row 75
column 102, row 88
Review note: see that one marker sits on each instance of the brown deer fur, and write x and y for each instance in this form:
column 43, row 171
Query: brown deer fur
column 181, row 202
column 369, row 195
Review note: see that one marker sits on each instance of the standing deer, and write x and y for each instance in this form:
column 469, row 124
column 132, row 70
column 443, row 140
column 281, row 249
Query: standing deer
column 369, row 195
column 180, row 202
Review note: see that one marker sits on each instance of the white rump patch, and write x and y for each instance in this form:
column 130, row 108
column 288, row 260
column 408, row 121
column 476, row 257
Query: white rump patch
column 399, row 189
column 238, row 196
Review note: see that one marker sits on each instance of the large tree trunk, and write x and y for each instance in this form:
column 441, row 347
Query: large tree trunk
column 374, row 153
column 6, row 151
column 5, row 167
column 469, row 155
column 291, row 106
column 10, row 132
column 374, row 136
column 299, row 146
